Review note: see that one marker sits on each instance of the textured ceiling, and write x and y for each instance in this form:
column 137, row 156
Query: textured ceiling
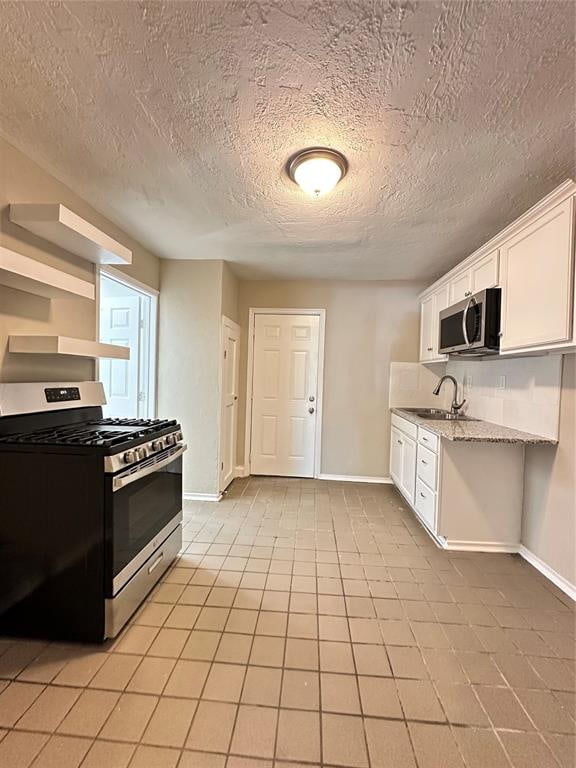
column 175, row 120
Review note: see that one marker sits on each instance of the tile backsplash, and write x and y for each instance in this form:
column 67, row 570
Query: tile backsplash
column 411, row 385
column 522, row 393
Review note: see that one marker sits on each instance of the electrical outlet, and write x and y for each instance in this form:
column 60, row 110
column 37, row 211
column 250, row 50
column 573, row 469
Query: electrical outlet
column 501, row 384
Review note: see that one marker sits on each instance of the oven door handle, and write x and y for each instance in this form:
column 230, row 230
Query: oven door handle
column 123, row 480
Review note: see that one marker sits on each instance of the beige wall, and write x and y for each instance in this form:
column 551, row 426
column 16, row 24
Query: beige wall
column 549, row 522
column 193, row 295
column 22, row 181
column 230, row 285
column 368, row 325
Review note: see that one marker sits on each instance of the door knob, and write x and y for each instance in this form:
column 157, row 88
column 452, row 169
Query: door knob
column 311, row 398
column 310, row 410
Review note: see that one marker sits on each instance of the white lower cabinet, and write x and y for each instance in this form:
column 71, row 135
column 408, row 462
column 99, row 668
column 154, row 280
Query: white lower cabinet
column 468, row 495
column 408, row 467
column 427, row 462
column 403, row 462
column 425, row 503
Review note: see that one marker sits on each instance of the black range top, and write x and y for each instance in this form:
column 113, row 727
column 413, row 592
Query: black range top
column 107, row 435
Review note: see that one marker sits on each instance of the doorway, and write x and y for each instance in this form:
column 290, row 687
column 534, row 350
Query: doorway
column 284, row 398
column 127, row 317
column 230, row 369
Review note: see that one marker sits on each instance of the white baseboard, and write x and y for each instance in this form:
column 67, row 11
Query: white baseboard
column 355, row 479
column 201, row 496
column 455, row 545
column 561, row 582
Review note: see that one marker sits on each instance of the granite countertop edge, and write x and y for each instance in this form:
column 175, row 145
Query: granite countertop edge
column 477, row 431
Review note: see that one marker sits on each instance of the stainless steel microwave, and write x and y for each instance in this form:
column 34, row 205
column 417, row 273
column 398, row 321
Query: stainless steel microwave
column 472, row 326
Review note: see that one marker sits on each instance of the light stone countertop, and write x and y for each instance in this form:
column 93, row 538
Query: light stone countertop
column 474, row 431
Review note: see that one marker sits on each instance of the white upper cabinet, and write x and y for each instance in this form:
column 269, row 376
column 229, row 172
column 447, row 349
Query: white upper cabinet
column 426, row 321
column 533, row 262
column 430, row 308
column 484, row 272
column 537, row 275
column 460, row 286
column 480, row 275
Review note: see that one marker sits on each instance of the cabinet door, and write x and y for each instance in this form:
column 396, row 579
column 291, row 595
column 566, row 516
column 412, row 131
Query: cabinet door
column 396, row 443
column 408, row 481
column 426, row 328
column 460, row 286
column 537, row 281
column 441, row 301
column 484, row 273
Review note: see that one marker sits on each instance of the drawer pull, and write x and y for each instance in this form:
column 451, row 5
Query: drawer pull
column 156, row 562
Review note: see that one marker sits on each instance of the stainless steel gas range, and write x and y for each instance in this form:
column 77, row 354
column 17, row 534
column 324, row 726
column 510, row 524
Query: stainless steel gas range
column 90, row 510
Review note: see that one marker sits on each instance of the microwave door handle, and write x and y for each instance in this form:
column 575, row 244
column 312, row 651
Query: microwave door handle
column 464, row 319
column 130, row 477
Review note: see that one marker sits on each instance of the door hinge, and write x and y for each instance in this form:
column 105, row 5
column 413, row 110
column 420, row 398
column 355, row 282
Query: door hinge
column 221, row 465
column 225, row 354
column 141, row 397
column 141, row 324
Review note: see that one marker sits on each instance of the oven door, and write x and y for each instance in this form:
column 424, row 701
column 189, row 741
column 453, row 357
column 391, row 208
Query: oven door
column 462, row 326
column 144, row 506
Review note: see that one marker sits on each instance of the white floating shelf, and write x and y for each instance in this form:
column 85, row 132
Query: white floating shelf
column 60, row 225
column 25, row 274
column 66, row 345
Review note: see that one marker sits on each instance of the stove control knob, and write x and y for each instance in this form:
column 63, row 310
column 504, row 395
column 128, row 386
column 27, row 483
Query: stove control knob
column 142, row 452
column 129, row 457
column 179, row 436
column 171, row 440
column 157, row 445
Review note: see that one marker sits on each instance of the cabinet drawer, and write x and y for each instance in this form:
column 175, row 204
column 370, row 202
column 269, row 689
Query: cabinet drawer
column 425, row 503
column 426, row 466
column 405, row 426
column 428, row 439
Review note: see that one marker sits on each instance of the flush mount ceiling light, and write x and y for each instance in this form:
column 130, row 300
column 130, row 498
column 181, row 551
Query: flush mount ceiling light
column 317, row 170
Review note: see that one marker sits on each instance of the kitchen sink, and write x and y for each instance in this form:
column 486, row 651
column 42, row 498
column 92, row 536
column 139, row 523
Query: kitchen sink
column 437, row 414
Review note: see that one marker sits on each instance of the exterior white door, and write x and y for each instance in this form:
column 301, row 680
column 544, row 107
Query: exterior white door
column 230, row 350
column 120, row 324
column 284, row 394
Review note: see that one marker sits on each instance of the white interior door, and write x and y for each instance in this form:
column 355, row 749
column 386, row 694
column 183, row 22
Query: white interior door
column 229, row 404
column 120, row 324
column 284, row 394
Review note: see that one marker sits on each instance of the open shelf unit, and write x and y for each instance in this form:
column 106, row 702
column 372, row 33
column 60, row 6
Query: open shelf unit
column 61, row 226
column 66, row 345
column 25, row 274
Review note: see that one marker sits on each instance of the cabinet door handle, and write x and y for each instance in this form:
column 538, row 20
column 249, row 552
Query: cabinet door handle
column 399, row 442
column 423, row 495
column 424, row 462
column 425, row 439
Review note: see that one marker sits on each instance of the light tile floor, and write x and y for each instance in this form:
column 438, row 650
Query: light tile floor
column 309, row 623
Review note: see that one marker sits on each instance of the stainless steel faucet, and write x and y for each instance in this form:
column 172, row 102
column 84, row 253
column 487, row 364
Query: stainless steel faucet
column 455, row 407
